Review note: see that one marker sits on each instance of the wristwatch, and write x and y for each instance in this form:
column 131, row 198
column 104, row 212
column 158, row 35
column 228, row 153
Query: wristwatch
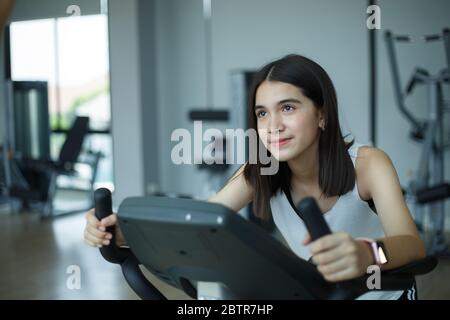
column 378, row 250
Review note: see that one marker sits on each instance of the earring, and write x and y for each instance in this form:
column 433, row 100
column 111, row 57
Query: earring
column 322, row 126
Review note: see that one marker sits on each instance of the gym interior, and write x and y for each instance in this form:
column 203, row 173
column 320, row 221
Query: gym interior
column 94, row 91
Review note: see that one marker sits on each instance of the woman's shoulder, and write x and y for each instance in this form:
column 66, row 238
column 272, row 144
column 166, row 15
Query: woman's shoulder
column 368, row 155
column 369, row 161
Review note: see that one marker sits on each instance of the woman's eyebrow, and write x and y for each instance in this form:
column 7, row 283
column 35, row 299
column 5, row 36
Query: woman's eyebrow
column 292, row 100
column 289, row 100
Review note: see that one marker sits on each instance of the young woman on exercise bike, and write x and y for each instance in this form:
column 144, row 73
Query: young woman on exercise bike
column 293, row 108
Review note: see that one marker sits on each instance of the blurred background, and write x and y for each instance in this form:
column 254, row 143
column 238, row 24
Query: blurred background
column 92, row 90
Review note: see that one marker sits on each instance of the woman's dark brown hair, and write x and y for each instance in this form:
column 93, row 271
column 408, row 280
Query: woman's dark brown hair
column 336, row 171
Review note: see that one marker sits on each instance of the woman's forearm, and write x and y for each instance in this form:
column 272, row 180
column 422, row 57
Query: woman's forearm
column 401, row 250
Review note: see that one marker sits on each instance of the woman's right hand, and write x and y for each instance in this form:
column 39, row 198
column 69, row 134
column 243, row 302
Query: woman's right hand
column 95, row 233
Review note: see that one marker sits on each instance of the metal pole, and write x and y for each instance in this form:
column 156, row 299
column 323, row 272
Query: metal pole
column 373, row 82
column 389, row 37
column 207, row 14
column 438, row 243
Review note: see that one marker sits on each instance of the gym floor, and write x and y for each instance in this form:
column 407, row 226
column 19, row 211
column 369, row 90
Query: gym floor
column 36, row 255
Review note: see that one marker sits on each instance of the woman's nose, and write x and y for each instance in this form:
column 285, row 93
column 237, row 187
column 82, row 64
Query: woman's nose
column 276, row 125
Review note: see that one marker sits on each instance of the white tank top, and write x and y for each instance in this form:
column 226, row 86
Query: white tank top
column 350, row 214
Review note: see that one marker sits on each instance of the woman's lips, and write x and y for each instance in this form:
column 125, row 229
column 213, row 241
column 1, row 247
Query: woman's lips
column 281, row 142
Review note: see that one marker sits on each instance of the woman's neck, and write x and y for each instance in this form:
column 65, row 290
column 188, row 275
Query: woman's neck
column 305, row 168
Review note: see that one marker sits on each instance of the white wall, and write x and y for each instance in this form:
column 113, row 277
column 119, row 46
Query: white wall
column 246, row 35
column 148, row 82
column 181, row 83
column 126, row 103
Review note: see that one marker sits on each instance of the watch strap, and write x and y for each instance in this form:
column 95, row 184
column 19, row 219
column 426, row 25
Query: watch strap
column 374, row 248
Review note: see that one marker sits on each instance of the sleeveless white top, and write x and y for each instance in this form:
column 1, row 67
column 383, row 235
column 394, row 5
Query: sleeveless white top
column 350, row 214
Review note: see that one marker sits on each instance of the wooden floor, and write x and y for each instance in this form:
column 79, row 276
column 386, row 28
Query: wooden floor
column 36, row 254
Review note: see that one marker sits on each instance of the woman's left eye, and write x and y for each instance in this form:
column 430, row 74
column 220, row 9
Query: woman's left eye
column 288, row 108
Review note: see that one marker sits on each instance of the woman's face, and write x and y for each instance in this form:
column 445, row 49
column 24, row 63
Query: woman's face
column 287, row 121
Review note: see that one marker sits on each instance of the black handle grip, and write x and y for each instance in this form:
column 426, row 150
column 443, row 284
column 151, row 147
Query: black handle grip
column 318, row 227
column 313, row 218
column 123, row 256
column 103, row 208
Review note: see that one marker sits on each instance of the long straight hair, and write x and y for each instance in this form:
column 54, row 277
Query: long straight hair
column 336, row 170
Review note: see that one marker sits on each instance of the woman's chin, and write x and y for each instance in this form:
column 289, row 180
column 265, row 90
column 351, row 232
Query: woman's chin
column 282, row 155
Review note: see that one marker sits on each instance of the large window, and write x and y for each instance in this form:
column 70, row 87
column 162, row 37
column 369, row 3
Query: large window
column 71, row 54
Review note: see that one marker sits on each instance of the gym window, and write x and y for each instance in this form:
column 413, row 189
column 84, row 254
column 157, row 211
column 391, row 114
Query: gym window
column 71, row 55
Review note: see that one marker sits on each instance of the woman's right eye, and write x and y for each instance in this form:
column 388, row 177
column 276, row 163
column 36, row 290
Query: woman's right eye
column 261, row 114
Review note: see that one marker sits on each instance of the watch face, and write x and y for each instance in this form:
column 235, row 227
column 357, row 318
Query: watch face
column 381, row 253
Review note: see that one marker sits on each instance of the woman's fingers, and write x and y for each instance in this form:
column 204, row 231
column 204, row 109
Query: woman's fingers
column 337, row 257
column 94, row 232
column 334, row 267
column 329, row 242
column 307, row 239
column 91, row 219
column 329, row 256
column 94, row 241
column 341, row 275
column 109, row 220
column 97, row 233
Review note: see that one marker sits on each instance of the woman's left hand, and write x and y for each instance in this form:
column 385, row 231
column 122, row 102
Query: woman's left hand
column 340, row 257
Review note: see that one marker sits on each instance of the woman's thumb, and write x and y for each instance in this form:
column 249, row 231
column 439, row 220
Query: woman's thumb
column 307, row 239
column 108, row 221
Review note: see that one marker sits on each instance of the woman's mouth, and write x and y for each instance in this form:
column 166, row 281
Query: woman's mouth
column 280, row 142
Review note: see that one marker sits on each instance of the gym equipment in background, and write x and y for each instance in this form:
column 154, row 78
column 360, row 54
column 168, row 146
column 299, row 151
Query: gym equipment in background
column 64, row 165
column 36, row 184
column 212, row 159
column 31, row 120
column 183, row 241
column 429, row 188
column 26, row 137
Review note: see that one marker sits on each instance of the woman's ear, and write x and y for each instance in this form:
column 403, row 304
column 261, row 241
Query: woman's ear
column 322, row 121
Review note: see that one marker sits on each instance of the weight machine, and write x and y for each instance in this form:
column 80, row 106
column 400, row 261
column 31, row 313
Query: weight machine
column 429, row 188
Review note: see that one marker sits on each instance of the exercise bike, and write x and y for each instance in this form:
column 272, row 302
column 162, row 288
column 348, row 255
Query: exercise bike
column 183, row 242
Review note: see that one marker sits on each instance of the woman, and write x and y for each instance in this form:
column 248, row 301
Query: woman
column 293, row 108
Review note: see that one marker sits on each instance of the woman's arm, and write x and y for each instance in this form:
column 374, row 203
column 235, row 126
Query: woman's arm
column 236, row 194
column 402, row 240
column 340, row 257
